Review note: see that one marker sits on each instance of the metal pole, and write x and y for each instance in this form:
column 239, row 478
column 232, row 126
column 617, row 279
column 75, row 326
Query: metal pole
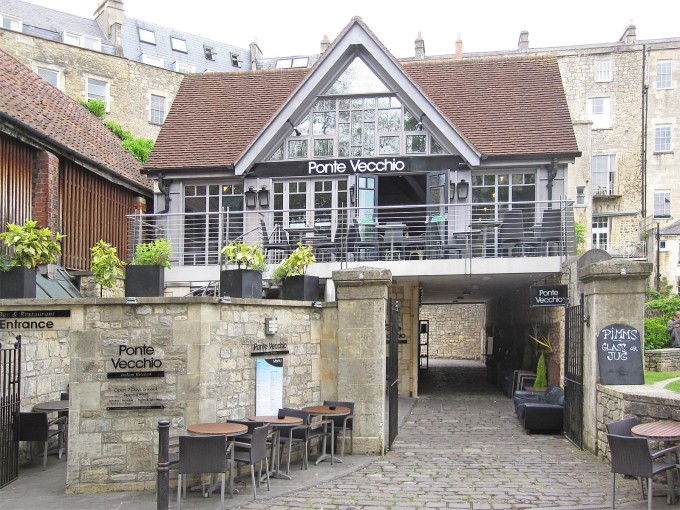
column 658, row 261
column 163, row 475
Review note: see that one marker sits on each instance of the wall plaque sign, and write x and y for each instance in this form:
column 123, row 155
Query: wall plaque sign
column 138, row 395
column 619, row 354
column 269, row 348
column 35, row 320
column 268, row 386
column 134, row 374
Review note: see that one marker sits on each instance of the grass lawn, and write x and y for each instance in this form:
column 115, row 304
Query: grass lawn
column 653, row 377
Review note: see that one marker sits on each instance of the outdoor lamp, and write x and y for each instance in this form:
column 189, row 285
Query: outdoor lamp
column 251, row 197
column 296, row 131
column 463, row 189
column 263, row 197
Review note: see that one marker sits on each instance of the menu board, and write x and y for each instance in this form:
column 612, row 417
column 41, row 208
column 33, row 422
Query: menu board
column 619, row 354
column 268, row 386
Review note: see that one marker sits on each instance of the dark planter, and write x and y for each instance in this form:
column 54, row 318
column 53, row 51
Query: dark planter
column 301, row 288
column 144, row 281
column 241, row 283
column 18, row 282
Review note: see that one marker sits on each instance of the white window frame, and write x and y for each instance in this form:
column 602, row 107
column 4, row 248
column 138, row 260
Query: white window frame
column 284, row 63
column 178, row 44
column 599, row 112
column 580, row 195
column 664, row 74
column 300, row 62
column 83, row 41
column 152, row 60
column 603, row 70
column 43, row 70
column 146, row 36
column 600, row 232
column 662, row 203
column 235, row 61
column 663, row 134
column 157, row 115
column 181, row 67
column 14, row 23
column 603, row 174
column 107, row 87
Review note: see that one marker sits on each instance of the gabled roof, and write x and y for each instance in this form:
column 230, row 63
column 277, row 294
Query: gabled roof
column 671, row 230
column 41, row 112
column 504, row 107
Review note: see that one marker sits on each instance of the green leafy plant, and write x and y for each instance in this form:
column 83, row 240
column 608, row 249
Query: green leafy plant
column 294, row 264
column 541, row 373
column 106, row 266
column 96, row 106
column 658, row 310
column 153, row 253
column 32, row 245
column 244, row 256
column 140, row 148
column 580, row 236
column 118, row 130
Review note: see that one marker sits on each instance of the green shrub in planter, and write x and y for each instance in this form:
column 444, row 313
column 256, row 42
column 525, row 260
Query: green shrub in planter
column 246, row 280
column 296, row 284
column 145, row 276
column 106, row 266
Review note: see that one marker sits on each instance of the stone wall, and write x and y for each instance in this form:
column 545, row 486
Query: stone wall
column 645, row 402
column 662, row 360
column 455, row 331
column 131, row 83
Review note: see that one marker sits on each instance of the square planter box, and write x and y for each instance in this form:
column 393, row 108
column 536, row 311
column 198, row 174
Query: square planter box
column 144, row 281
column 301, row 288
column 17, row 283
column 241, row 283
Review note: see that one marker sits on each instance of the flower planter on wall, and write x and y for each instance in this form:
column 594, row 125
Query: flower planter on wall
column 17, row 283
column 241, row 283
column 144, row 281
column 301, row 288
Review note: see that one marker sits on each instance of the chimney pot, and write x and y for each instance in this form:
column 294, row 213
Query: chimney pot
column 325, row 43
column 523, row 41
column 420, row 47
column 459, row 47
column 629, row 36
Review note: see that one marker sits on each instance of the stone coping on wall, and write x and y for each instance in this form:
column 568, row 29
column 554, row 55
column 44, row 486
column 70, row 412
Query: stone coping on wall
column 646, row 393
column 14, row 303
column 662, row 360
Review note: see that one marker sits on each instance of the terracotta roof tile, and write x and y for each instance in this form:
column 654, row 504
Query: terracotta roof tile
column 26, row 100
column 503, row 107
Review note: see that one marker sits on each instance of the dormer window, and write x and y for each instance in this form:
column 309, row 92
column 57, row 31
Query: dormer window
column 84, row 41
column 178, row 44
column 284, row 63
column 209, row 52
column 11, row 23
column 300, row 62
column 235, row 60
column 181, row 67
column 147, row 36
column 152, row 60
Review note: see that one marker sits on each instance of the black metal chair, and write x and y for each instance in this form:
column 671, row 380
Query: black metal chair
column 631, row 456
column 276, row 245
column 305, row 433
column 254, row 452
column 363, row 240
column 511, row 233
column 341, row 424
column 335, row 248
column 36, row 427
column 203, row 454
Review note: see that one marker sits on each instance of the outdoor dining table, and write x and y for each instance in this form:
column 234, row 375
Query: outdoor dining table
column 486, row 226
column 328, row 412
column 221, row 429
column 287, row 422
column 300, row 232
column 668, row 432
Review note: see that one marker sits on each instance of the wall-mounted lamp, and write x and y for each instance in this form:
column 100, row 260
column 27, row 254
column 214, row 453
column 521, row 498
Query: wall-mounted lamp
column 296, row 131
column 463, row 189
column 351, row 195
column 251, row 197
column 263, row 196
column 419, row 126
column 271, row 325
column 452, row 191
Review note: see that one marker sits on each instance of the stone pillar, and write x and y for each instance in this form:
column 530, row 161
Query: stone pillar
column 362, row 309
column 46, row 190
column 613, row 292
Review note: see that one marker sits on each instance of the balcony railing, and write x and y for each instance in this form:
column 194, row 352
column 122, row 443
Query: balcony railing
column 390, row 233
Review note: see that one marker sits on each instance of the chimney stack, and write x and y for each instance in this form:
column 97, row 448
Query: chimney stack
column 325, row 43
column 523, row 42
column 628, row 36
column 420, row 47
column 459, row 47
column 255, row 53
column 110, row 15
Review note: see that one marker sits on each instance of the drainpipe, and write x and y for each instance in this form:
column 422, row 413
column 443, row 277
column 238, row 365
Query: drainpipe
column 552, row 173
column 643, row 145
column 164, row 187
column 658, row 260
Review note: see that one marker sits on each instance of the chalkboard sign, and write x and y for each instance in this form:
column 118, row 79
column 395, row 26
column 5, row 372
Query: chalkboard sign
column 620, row 355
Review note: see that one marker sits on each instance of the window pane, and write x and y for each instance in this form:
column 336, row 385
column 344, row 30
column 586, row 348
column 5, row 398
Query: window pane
column 323, row 148
column 389, row 145
column 663, row 74
column 147, row 36
column 389, row 120
column 410, row 121
column 178, row 44
column 323, row 123
column 415, row 144
column 297, row 148
column 357, row 79
column 157, row 109
column 277, row 155
column 50, row 75
column 662, row 138
column 96, row 89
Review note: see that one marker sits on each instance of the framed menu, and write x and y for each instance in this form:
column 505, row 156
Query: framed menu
column 268, row 386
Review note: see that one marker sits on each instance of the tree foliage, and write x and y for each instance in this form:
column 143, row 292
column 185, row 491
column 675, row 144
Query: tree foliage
column 96, row 106
column 658, row 311
column 106, row 266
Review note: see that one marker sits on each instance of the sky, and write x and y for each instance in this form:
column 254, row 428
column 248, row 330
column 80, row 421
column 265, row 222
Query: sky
column 287, row 28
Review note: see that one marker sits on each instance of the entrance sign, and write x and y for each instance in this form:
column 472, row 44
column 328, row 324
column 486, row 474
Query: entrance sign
column 619, row 354
column 35, row 320
column 548, row 295
column 268, row 386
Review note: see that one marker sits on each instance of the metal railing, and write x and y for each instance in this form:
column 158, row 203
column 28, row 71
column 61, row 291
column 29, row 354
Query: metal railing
column 390, row 233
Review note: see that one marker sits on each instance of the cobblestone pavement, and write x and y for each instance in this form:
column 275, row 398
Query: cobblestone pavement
column 463, row 448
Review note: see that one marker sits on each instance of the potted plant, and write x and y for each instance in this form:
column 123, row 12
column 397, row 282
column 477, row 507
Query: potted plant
column 107, row 268
column 246, row 280
column 32, row 246
column 544, row 348
column 145, row 275
column 296, row 284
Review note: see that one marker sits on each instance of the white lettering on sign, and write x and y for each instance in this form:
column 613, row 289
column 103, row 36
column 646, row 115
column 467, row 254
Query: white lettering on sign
column 356, row 166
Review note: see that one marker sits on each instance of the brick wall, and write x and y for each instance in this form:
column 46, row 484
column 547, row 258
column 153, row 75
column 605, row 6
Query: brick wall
column 45, row 199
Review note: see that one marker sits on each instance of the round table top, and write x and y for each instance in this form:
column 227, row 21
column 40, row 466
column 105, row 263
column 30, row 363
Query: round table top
column 286, row 421
column 327, row 411
column 52, row 405
column 665, row 430
column 220, row 428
